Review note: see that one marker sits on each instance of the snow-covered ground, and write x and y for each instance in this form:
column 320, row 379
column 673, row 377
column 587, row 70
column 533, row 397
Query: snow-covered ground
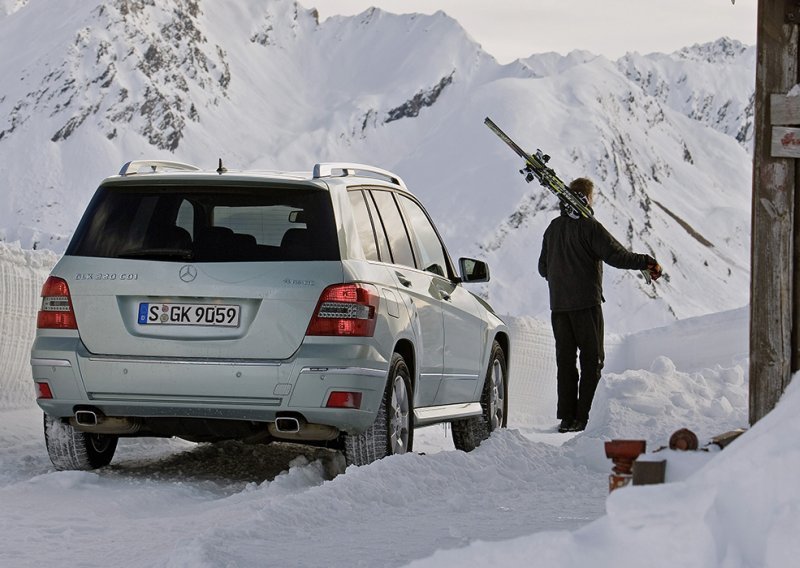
column 527, row 495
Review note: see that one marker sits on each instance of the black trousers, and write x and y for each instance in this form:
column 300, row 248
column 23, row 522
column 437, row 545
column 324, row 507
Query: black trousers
column 579, row 330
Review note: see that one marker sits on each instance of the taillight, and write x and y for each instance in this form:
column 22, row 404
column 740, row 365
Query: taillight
column 56, row 312
column 344, row 399
column 43, row 390
column 345, row 309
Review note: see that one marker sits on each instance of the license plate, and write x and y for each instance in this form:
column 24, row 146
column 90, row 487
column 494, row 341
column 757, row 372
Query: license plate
column 216, row 315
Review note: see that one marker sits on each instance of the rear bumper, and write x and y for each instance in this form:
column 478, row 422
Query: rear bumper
column 226, row 389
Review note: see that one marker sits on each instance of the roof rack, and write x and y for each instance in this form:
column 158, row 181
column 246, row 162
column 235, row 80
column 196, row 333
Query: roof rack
column 132, row 167
column 348, row 169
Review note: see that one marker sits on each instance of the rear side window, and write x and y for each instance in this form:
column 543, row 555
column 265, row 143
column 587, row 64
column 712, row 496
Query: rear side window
column 395, row 228
column 380, row 232
column 210, row 223
column 363, row 221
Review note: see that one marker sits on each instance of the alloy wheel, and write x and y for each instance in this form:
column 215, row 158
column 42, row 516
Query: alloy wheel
column 400, row 417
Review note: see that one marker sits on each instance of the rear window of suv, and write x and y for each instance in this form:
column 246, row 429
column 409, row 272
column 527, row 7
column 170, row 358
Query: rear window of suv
column 207, row 223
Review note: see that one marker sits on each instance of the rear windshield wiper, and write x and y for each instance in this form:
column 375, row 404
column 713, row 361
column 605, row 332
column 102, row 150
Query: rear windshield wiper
column 181, row 254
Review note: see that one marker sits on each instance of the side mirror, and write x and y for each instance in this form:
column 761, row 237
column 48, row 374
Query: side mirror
column 473, row 270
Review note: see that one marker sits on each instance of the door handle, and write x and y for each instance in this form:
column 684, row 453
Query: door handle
column 403, row 280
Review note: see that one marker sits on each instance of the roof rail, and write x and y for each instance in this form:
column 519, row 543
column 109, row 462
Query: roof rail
column 348, row 169
column 132, row 167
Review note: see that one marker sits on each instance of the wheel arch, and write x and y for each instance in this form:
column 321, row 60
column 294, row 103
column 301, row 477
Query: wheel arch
column 505, row 343
column 405, row 348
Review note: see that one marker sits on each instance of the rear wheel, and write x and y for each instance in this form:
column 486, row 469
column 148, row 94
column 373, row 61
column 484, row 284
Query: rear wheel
column 393, row 431
column 468, row 433
column 70, row 449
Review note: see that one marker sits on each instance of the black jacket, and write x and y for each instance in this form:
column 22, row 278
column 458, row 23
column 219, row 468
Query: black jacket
column 573, row 252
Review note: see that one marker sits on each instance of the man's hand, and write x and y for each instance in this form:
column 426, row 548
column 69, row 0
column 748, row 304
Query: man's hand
column 655, row 270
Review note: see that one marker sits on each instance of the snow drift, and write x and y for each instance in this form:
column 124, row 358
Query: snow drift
column 740, row 510
column 22, row 274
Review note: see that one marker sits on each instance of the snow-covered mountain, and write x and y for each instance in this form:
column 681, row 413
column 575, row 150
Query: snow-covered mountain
column 667, row 138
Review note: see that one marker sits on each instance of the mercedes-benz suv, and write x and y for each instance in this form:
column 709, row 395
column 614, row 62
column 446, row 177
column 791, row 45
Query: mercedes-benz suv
column 316, row 308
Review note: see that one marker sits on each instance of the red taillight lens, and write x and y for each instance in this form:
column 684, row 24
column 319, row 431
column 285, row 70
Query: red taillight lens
column 343, row 399
column 345, row 309
column 43, row 391
column 56, row 312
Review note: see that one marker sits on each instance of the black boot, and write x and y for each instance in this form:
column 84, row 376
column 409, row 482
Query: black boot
column 578, row 426
column 566, row 425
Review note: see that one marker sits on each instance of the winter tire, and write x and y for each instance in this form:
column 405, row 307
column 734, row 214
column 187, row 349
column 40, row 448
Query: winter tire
column 393, row 431
column 70, row 449
column 468, row 433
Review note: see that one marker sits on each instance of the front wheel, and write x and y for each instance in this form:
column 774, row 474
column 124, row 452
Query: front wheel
column 393, row 430
column 70, row 449
column 468, row 433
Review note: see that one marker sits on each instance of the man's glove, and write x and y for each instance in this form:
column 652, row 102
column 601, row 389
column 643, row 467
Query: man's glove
column 655, row 270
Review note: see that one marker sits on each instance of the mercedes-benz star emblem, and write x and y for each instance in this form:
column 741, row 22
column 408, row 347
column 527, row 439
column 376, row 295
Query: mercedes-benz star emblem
column 187, row 273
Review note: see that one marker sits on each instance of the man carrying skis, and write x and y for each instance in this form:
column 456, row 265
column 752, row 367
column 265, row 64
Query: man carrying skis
column 574, row 249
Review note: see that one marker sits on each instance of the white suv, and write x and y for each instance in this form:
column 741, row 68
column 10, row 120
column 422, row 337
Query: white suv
column 214, row 305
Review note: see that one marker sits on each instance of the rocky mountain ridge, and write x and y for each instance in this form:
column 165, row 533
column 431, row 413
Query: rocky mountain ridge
column 667, row 137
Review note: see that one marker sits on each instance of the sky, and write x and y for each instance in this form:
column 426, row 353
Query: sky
column 510, row 29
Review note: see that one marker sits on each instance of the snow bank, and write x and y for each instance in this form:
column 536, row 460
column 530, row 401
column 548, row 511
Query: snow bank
column 22, row 273
column 742, row 509
column 693, row 343
column 652, row 404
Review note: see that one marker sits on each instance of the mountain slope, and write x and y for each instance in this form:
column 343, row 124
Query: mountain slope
column 267, row 85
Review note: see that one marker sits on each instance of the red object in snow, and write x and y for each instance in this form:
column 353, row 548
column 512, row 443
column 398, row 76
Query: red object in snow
column 623, row 453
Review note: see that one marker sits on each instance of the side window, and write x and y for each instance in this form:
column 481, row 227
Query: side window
column 430, row 250
column 395, row 228
column 380, row 232
column 364, row 224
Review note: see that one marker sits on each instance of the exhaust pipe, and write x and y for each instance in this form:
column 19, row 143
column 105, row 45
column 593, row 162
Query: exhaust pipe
column 95, row 422
column 296, row 428
column 287, row 425
column 86, row 418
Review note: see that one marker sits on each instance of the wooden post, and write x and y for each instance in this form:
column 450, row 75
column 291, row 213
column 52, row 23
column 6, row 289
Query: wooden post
column 772, row 291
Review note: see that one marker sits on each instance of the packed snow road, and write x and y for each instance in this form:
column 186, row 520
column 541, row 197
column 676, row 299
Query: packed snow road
column 170, row 503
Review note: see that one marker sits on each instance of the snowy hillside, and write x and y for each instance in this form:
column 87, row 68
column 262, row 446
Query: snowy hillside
column 666, row 137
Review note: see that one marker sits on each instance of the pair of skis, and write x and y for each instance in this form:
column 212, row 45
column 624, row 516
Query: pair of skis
column 536, row 168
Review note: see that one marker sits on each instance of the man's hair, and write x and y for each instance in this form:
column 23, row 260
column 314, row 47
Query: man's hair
column 584, row 186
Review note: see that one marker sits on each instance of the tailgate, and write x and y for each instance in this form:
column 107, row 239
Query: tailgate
column 247, row 310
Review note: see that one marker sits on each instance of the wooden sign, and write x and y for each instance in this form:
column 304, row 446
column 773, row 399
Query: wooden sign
column 784, row 110
column 785, row 142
